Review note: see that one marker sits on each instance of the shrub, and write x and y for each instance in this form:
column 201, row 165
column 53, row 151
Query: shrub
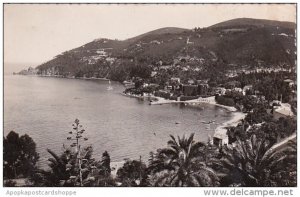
column 225, row 101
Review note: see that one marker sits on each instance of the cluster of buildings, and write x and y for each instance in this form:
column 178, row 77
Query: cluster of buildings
column 199, row 88
column 174, row 89
column 236, row 72
column 29, row 71
column 99, row 54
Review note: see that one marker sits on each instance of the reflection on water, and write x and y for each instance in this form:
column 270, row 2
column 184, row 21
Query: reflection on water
column 45, row 108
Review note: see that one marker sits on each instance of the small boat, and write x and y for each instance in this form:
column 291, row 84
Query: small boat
column 177, row 122
column 209, row 122
column 127, row 82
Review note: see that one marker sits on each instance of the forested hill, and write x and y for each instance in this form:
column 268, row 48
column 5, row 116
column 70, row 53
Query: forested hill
column 239, row 44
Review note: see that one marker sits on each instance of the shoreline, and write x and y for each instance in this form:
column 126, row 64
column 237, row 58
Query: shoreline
column 84, row 78
column 200, row 100
column 221, row 131
column 59, row 76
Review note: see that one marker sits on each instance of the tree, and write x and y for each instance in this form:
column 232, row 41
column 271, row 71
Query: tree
column 225, row 100
column 255, row 162
column 64, row 170
column 258, row 115
column 132, row 173
column 141, row 70
column 104, row 177
column 275, row 131
column 249, row 102
column 19, row 155
column 238, row 132
column 183, row 163
column 75, row 166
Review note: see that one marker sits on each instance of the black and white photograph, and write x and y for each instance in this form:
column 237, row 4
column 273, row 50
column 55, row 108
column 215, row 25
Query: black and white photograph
column 150, row 95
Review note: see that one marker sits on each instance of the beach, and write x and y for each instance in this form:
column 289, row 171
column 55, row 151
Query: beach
column 209, row 100
column 221, row 130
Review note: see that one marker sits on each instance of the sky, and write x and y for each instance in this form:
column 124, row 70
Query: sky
column 34, row 34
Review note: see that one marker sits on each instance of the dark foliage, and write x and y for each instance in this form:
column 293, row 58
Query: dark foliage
column 132, row 173
column 19, row 155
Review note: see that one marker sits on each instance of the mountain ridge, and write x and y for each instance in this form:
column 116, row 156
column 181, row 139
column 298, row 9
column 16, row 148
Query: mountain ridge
column 237, row 44
column 256, row 22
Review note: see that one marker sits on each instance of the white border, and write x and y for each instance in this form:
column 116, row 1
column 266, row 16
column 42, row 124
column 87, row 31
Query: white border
column 126, row 191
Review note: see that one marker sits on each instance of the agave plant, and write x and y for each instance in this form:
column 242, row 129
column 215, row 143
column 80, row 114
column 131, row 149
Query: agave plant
column 183, row 163
column 75, row 166
column 255, row 162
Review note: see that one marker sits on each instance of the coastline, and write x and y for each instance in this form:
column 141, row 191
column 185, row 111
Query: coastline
column 59, row 76
column 221, row 130
column 209, row 100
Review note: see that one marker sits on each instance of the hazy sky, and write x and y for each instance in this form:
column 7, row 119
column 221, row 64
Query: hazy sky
column 36, row 33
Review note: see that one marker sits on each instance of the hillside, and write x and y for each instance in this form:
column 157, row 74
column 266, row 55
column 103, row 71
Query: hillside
column 230, row 46
column 254, row 22
column 165, row 30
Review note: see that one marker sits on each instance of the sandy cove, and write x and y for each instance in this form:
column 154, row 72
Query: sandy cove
column 221, row 130
column 209, row 100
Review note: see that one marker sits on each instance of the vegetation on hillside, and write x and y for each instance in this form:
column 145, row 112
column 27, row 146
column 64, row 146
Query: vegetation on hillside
column 233, row 55
column 225, row 47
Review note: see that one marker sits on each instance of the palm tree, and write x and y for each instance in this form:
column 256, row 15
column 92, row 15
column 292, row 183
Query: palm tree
column 183, row 163
column 256, row 162
column 64, row 169
column 56, row 175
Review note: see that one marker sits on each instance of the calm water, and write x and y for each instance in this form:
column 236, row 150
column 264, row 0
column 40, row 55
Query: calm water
column 45, row 109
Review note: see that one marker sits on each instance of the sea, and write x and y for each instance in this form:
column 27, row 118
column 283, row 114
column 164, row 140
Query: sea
column 45, row 108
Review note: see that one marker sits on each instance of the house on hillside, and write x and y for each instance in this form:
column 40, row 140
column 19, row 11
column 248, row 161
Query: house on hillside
column 238, row 90
column 175, row 80
column 191, row 81
column 283, row 111
column 188, row 41
column 166, row 67
column 220, row 137
column 153, row 73
column 218, row 90
column 289, row 82
column 246, row 88
column 101, row 53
